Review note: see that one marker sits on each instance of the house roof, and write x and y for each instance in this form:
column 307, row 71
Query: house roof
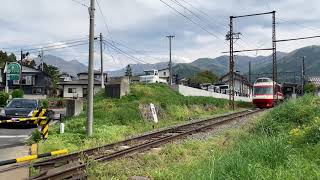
column 79, row 82
column 315, row 80
column 95, row 72
column 163, row 69
column 237, row 77
column 26, row 69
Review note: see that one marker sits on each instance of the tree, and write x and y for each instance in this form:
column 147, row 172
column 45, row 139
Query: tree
column 53, row 72
column 310, row 88
column 4, row 57
column 128, row 71
column 204, row 77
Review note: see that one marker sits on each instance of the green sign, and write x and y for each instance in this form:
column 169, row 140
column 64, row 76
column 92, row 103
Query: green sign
column 13, row 71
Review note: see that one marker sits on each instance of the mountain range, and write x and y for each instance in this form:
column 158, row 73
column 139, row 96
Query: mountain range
column 71, row 67
column 260, row 64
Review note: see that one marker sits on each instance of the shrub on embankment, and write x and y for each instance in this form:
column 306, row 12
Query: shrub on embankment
column 115, row 119
column 285, row 144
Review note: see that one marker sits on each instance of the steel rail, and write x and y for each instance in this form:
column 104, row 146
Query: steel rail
column 51, row 162
column 77, row 170
column 91, row 151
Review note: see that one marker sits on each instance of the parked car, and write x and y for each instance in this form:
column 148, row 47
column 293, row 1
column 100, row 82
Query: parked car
column 19, row 107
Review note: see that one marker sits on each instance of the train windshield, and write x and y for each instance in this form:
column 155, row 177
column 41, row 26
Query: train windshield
column 262, row 90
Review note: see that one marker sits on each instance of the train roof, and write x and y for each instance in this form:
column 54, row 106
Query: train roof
column 264, row 82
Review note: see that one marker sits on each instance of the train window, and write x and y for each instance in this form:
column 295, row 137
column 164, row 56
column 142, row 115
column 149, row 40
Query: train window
column 263, row 80
column 262, row 90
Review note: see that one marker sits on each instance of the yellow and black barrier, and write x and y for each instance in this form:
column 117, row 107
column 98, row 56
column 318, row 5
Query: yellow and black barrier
column 40, row 117
column 32, row 157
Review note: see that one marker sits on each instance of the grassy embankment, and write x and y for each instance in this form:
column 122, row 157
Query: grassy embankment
column 283, row 144
column 116, row 119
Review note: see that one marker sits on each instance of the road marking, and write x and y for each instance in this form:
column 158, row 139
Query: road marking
column 14, row 136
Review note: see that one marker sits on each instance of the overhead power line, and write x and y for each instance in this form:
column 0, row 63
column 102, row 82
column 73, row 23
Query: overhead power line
column 195, row 15
column 31, row 46
column 107, row 28
column 136, row 51
column 194, row 22
column 78, row 2
column 125, row 53
column 50, row 48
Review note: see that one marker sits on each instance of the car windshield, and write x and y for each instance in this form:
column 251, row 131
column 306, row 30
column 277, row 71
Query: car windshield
column 22, row 103
column 262, row 90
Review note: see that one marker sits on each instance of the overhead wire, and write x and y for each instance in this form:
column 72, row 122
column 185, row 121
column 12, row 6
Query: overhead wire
column 124, row 53
column 45, row 44
column 194, row 22
column 107, row 28
column 78, row 2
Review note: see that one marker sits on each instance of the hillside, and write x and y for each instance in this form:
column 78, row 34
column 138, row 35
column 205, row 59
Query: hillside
column 293, row 61
column 185, row 70
column 71, row 67
column 219, row 65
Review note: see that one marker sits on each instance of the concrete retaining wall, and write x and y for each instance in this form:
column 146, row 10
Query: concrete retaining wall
column 74, row 107
column 189, row 91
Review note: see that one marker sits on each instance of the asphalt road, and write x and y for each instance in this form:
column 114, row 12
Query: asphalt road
column 14, row 136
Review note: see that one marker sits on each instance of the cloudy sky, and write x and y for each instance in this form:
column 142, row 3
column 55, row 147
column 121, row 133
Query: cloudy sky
column 140, row 27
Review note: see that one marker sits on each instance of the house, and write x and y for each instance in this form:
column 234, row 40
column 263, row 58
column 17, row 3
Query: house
column 164, row 74
column 315, row 80
column 79, row 88
column 64, row 77
column 97, row 75
column 34, row 83
column 242, row 86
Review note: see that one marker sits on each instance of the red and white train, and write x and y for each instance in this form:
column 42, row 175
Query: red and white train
column 263, row 94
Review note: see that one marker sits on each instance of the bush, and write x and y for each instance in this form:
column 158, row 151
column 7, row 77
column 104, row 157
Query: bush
column 35, row 137
column 3, row 98
column 45, row 103
column 310, row 88
column 17, row 93
column 306, row 134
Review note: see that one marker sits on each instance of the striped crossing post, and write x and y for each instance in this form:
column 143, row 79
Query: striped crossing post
column 32, row 157
column 40, row 117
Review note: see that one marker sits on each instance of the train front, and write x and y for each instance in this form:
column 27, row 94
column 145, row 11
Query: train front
column 263, row 94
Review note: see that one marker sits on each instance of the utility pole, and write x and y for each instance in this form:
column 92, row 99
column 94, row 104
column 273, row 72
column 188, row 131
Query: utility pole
column 41, row 59
column 231, row 36
column 274, row 54
column 250, row 72
column 170, row 60
column 90, row 70
column 21, row 54
column 302, row 75
column 101, row 56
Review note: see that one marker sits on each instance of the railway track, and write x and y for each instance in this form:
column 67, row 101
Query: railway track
column 73, row 165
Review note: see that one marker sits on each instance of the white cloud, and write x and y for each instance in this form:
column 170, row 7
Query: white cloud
column 143, row 25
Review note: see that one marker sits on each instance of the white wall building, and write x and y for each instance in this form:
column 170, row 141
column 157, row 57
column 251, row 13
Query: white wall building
column 97, row 75
column 164, row 74
column 79, row 88
column 242, row 86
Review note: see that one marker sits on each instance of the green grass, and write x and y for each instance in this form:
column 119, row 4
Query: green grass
column 116, row 119
column 283, row 144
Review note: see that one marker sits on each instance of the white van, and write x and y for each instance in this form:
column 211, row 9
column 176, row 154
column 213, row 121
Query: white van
column 152, row 76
